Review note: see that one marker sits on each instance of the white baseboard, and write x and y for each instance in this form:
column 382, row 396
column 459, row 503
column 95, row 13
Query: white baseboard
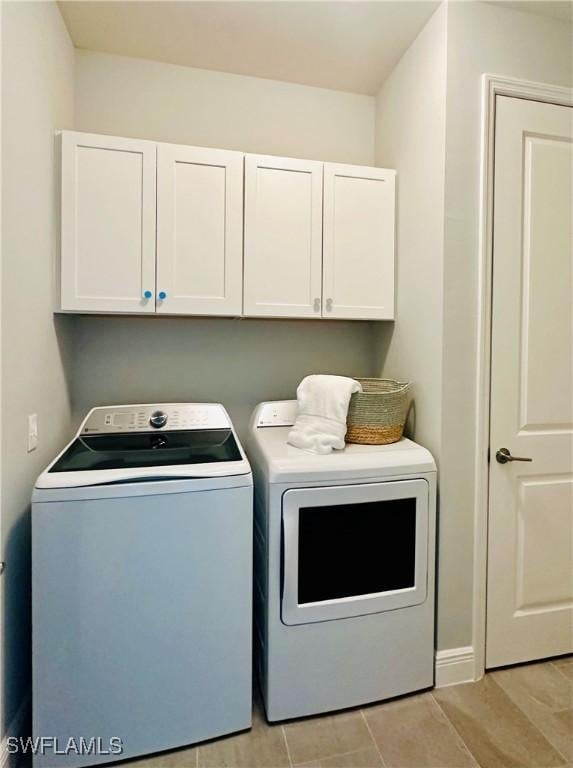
column 8, row 760
column 454, row 666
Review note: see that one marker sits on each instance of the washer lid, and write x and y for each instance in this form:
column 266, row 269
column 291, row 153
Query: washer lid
column 148, row 449
column 104, row 453
column 282, row 462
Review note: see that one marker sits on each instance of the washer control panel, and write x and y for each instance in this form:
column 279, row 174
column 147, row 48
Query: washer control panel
column 150, row 418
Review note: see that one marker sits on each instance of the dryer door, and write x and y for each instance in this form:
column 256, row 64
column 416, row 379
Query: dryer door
column 354, row 549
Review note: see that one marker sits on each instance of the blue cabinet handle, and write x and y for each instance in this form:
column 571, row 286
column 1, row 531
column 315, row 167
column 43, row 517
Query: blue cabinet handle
column 147, row 295
column 162, row 295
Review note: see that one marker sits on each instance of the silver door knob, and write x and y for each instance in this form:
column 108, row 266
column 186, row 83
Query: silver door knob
column 329, row 305
column 503, row 456
column 317, row 305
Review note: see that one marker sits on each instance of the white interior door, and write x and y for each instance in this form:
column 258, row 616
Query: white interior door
column 358, row 246
column 108, row 224
column 530, row 563
column 199, row 230
column 283, row 237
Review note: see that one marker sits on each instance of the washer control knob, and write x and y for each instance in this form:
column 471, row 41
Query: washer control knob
column 158, row 419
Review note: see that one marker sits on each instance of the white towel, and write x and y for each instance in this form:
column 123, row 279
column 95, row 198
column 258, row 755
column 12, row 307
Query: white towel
column 323, row 404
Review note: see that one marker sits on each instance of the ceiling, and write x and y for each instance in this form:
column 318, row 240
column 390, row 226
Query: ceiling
column 345, row 45
column 556, row 9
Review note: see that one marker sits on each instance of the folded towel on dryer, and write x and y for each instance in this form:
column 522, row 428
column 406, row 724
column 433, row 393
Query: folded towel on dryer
column 323, row 402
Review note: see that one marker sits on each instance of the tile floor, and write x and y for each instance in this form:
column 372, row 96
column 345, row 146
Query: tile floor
column 520, row 717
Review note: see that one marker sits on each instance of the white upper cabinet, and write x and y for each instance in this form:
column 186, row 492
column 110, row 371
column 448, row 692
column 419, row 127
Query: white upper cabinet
column 358, row 245
column 309, row 240
column 283, row 237
column 108, row 224
column 199, row 230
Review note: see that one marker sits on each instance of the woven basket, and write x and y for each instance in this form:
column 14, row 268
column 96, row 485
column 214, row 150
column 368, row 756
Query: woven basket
column 376, row 416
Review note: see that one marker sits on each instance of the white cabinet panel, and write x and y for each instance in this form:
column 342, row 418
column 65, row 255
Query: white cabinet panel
column 283, row 221
column 358, row 248
column 199, row 230
column 108, row 224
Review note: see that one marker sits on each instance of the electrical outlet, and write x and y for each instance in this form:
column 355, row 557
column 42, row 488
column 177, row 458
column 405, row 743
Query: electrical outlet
column 32, row 432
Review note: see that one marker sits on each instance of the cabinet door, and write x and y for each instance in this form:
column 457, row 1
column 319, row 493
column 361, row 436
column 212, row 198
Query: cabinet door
column 358, row 246
column 199, row 230
column 283, row 215
column 108, row 224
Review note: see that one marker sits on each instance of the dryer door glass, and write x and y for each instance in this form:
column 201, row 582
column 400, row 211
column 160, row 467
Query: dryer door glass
column 355, row 549
column 364, row 548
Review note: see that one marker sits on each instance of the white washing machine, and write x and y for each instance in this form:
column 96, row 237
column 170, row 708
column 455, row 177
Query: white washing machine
column 142, row 585
column 344, row 569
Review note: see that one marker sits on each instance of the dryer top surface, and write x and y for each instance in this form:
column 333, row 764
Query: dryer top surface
column 280, row 462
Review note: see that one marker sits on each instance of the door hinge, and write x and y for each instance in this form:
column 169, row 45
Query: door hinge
column 2, row 566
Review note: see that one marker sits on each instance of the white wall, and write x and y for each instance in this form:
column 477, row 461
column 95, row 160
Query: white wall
column 37, row 98
column 482, row 38
column 410, row 136
column 165, row 102
column 428, row 125
column 238, row 362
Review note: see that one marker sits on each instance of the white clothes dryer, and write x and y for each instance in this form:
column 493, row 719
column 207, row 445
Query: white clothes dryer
column 344, row 569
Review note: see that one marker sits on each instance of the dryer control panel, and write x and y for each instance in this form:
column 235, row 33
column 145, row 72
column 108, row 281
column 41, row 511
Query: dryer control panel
column 281, row 413
column 163, row 417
